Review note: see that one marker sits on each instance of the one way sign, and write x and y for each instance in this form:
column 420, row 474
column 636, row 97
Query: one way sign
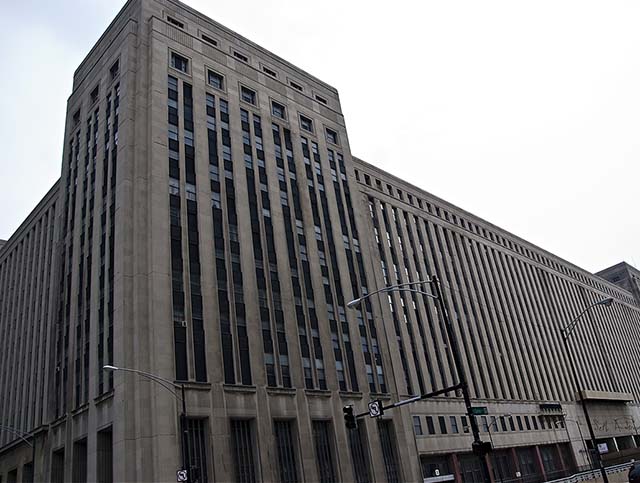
column 181, row 475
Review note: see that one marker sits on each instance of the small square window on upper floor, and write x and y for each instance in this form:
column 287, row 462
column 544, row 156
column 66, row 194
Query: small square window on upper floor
column 179, row 62
column 321, row 99
column 248, row 95
column 278, row 110
column 306, row 123
column 332, row 136
column 215, row 80
column 295, row 85
column 269, row 71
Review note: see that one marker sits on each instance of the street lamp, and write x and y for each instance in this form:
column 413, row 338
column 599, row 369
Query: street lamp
column 32, row 444
column 566, row 332
column 169, row 386
column 478, row 447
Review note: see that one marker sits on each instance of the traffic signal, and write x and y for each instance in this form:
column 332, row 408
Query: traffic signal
column 349, row 417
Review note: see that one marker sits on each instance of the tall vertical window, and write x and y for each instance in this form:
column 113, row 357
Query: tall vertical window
column 243, row 442
column 359, row 458
column 287, row 464
column 57, row 466
column 104, row 459
column 387, row 441
column 79, row 468
column 324, row 451
column 198, row 449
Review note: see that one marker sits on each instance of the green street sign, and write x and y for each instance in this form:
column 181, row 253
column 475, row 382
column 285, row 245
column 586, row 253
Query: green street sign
column 479, row 411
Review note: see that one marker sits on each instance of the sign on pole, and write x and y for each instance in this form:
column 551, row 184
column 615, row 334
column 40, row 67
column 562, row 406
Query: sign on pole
column 479, row 411
column 181, row 475
column 375, row 408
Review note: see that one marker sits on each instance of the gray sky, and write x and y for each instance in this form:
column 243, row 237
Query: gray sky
column 524, row 113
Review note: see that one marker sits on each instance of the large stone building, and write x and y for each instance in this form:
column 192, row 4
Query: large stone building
column 210, row 227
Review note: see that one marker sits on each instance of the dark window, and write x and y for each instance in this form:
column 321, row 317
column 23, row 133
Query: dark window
column 519, row 421
column 430, row 427
column 503, row 423
column 454, row 424
column 243, row 443
column 306, row 123
column 443, row 425
column 434, row 466
column 503, row 464
column 209, row 40
column 278, row 110
column 321, row 99
column 175, row 22
column 80, row 461
column 115, row 69
column 179, row 62
column 248, row 95
column 27, row 473
column 198, row 451
column 465, row 424
column 417, row 426
column 387, row 441
column 286, row 452
column 295, row 86
column 357, row 445
column 104, row 461
column 240, row 56
column 332, row 136
column 527, row 423
column 12, row 476
column 214, row 79
column 485, row 424
column 512, row 426
column 470, row 469
column 94, row 94
column 324, row 453
column 266, row 70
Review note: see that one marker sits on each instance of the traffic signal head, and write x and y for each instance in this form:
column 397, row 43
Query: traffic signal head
column 349, row 417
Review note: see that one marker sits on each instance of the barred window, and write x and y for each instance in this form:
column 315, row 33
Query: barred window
column 243, row 442
column 324, row 451
column 287, row 465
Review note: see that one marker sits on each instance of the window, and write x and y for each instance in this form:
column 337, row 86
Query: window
column 321, row 99
column 215, row 80
column 430, row 428
column 443, row 425
column 357, row 444
column 454, row 424
column 247, row 95
column 209, row 40
column 278, row 110
column 94, row 94
column 295, row 85
column 242, row 446
column 519, row 421
column 324, row 451
column 175, row 22
column 306, row 123
column 198, row 449
column 512, row 426
column 287, row 465
column 387, row 438
column 485, row 424
column 179, row 62
column 240, row 56
column 534, row 420
column 527, row 423
column 104, row 458
column 417, row 426
column 268, row 71
column 332, row 136
column 79, row 468
column 465, row 424
column 115, row 69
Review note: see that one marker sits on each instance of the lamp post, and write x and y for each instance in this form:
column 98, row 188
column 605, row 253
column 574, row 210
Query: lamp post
column 584, row 444
column 566, row 332
column 478, row 447
column 169, row 386
column 32, row 444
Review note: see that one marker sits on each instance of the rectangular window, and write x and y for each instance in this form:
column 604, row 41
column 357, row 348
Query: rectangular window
column 175, row 22
column 179, row 62
column 295, row 86
column 104, row 459
column 387, row 441
column 215, row 80
column 94, row 94
column 196, row 428
column 430, row 427
column 359, row 458
column 248, row 95
column 332, row 136
column 287, row 465
column 321, row 99
column 417, row 426
column 268, row 71
column 454, row 424
column 27, row 473
column 243, row 442
column 465, row 424
column 306, row 123
column 324, row 451
column 209, row 40
column 79, row 468
column 115, row 69
column 443, row 425
column 511, row 424
column 519, row 421
column 278, row 110
column 240, row 56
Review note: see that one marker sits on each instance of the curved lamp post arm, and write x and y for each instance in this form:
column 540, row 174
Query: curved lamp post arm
column 401, row 287
column 569, row 328
column 19, row 434
column 166, row 383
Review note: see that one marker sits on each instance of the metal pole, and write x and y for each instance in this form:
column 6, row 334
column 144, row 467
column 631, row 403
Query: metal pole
column 583, row 403
column 462, row 378
column 186, row 462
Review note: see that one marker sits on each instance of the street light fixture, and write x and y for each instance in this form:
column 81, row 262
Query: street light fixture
column 169, row 386
column 566, row 332
column 478, row 446
column 32, row 444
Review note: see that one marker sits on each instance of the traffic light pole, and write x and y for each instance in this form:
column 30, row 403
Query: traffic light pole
column 462, row 378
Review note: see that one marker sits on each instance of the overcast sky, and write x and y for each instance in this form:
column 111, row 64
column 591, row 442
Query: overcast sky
column 524, row 113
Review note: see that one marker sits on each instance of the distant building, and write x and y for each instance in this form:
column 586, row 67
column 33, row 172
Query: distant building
column 210, row 227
